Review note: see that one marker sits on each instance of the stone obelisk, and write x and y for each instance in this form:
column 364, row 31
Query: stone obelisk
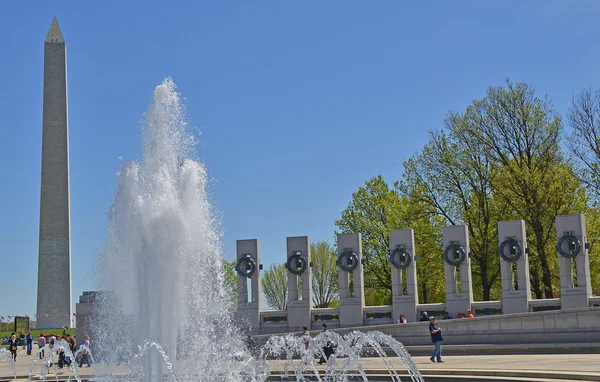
column 54, row 308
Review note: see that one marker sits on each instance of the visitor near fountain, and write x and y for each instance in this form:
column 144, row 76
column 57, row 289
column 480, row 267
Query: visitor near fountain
column 41, row 341
column 327, row 349
column 71, row 342
column 85, row 352
column 13, row 344
column 436, row 338
column 29, row 340
column 306, row 336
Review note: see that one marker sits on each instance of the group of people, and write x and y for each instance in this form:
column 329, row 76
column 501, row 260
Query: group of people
column 14, row 342
column 51, row 343
column 425, row 316
column 435, row 331
column 327, row 349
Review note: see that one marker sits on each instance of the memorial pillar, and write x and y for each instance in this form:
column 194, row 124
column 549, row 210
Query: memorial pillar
column 350, row 279
column 402, row 257
column 457, row 268
column 573, row 261
column 248, row 267
column 298, row 266
column 514, row 266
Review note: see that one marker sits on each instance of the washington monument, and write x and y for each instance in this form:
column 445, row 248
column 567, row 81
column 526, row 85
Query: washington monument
column 54, row 308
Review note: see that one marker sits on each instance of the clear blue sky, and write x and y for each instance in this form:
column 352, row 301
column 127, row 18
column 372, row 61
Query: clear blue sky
column 298, row 102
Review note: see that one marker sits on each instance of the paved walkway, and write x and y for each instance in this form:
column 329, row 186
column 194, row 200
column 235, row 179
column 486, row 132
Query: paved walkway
column 536, row 366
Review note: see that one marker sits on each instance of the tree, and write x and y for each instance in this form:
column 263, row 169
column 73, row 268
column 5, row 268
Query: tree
column 374, row 211
column 584, row 141
column 453, row 177
column 274, row 286
column 428, row 248
column 324, row 274
column 230, row 279
column 520, row 133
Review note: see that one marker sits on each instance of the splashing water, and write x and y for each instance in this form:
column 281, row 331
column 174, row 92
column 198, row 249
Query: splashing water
column 9, row 358
column 162, row 262
column 166, row 312
column 300, row 356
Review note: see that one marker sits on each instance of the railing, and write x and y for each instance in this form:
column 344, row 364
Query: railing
column 438, row 309
column 377, row 315
column 486, row 308
column 325, row 314
column 544, row 304
column 274, row 319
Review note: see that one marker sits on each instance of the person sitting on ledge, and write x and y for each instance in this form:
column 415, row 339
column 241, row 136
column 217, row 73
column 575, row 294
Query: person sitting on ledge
column 446, row 316
column 470, row 314
column 424, row 317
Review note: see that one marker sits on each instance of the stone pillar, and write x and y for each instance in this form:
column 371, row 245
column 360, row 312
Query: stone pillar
column 87, row 315
column 402, row 258
column 572, row 246
column 248, row 267
column 349, row 262
column 298, row 266
column 513, row 251
column 459, row 290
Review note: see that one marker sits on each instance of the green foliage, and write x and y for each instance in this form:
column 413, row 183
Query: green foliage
column 374, row 211
column 519, row 132
column 498, row 160
column 274, row 286
column 230, row 279
column 324, row 274
column 453, row 178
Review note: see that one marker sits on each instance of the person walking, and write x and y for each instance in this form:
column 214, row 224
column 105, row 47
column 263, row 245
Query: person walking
column 13, row 345
column 436, row 338
column 327, row 349
column 29, row 339
column 41, row 341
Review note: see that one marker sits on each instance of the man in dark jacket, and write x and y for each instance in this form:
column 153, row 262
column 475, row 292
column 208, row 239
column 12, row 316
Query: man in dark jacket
column 436, row 338
column 328, row 349
column 424, row 317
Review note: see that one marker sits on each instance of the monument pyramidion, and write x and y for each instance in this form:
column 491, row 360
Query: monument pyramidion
column 54, row 308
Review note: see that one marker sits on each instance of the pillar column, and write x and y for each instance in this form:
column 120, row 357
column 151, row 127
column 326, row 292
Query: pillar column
column 457, row 269
column 513, row 252
column 573, row 247
column 298, row 266
column 248, row 267
column 402, row 258
column 351, row 285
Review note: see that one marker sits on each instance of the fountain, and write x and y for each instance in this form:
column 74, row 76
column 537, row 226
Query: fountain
column 168, row 313
column 9, row 358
